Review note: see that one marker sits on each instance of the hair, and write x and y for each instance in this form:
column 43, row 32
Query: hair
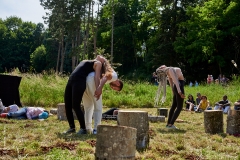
column 190, row 96
column 198, row 94
column 204, row 96
column 107, row 70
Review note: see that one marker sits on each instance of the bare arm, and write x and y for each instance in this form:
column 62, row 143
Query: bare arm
column 97, row 67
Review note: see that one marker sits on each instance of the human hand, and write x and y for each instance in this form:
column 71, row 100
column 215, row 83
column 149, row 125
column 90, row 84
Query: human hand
column 98, row 93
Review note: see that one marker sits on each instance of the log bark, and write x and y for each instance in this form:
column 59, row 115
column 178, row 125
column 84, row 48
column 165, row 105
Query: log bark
column 213, row 121
column 138, row 120
column 233, row 122
column 156, row 118
column 115, row 143
column 163, row 112
column 61, row 113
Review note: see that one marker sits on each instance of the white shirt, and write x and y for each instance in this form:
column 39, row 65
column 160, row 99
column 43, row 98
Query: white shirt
column 114, row 76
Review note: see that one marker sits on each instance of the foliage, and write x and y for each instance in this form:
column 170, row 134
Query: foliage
column 38, row 59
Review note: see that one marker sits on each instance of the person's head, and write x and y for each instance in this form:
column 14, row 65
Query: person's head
column 204, row 98
column 116, row 85
column 6, row 109
column 225, row 97
column 43, row 115
column 199, row 95
column 190, row 97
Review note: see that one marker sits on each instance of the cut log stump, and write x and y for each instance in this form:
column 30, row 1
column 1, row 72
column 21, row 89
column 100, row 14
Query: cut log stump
column 115, row 143
column 53, row 111
column 138, row 120
column 213, row 121
column 156, row 118
column 61, row 113
column 233, row 122
column 163, row 112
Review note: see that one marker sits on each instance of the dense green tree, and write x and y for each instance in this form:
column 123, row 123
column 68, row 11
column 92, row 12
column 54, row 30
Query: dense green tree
column 38, row 59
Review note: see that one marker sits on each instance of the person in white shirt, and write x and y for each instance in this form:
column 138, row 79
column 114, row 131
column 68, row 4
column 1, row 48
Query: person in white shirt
column 92, row 104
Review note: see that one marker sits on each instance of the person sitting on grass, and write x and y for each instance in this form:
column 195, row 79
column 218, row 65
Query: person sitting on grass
column 190, row 103
column 203, row 105
column 237, row 105
column 29, row 113
column 223, row 105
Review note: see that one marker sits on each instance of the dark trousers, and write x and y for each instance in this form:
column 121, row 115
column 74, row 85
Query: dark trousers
column 73, row 97
column 177, row 103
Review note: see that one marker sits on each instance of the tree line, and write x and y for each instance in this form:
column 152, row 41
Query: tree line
column 199, row 36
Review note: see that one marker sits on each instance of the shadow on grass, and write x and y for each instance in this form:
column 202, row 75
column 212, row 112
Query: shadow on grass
column 74, row 136
column 167, row 131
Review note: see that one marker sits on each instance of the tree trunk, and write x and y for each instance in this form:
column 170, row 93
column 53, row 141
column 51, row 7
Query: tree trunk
column 213, row 121
column 58, row 57
column 138, row 120
column 233, row 122
column 115, row 143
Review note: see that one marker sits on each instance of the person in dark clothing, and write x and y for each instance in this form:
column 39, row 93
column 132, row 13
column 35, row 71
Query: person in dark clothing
column 190, row 103
column 176, row 81
column 76, row 86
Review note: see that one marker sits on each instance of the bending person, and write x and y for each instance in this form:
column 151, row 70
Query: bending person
column 93, row 105
column 176, row 81
column 75, row 88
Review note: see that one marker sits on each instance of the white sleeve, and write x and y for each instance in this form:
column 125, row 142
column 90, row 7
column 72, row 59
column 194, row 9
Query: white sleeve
column 114, row 77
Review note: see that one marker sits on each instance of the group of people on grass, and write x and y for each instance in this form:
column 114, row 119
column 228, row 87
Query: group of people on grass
column 202, row 103
column 222, row 79
column 85, row 85
column 14, row 112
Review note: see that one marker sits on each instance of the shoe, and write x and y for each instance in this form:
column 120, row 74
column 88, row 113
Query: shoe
column 71, row 130
column 172, row 127
column 82, row 131
column 94, row 131
column 89, row 131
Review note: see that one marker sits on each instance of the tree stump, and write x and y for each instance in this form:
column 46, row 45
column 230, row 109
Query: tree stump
column 156, row 118
column 53, row 111
column 213, row 121
column 163, row 112
column 233, row 122
column 138, row 120
column 61, row 113
column 115, row 143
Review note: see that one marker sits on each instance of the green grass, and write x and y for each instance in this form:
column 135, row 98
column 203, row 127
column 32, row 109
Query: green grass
column 36, row 140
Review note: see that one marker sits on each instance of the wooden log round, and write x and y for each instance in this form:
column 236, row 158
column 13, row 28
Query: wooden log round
column 213, row 121
column 233, row 122
column 138, row 120
column 156, row 118
column 61, row 113
column 163, row 112
column 53, row 111
column 115, row 143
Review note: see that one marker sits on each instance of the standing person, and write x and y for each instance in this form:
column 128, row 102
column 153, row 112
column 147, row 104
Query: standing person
column 92, row 106
column 75, row 88
column 176, row 81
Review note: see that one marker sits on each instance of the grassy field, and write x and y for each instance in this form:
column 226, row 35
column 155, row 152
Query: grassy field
column 32, row 139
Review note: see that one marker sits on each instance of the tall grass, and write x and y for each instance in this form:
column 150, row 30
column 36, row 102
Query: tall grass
column 47, row 90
